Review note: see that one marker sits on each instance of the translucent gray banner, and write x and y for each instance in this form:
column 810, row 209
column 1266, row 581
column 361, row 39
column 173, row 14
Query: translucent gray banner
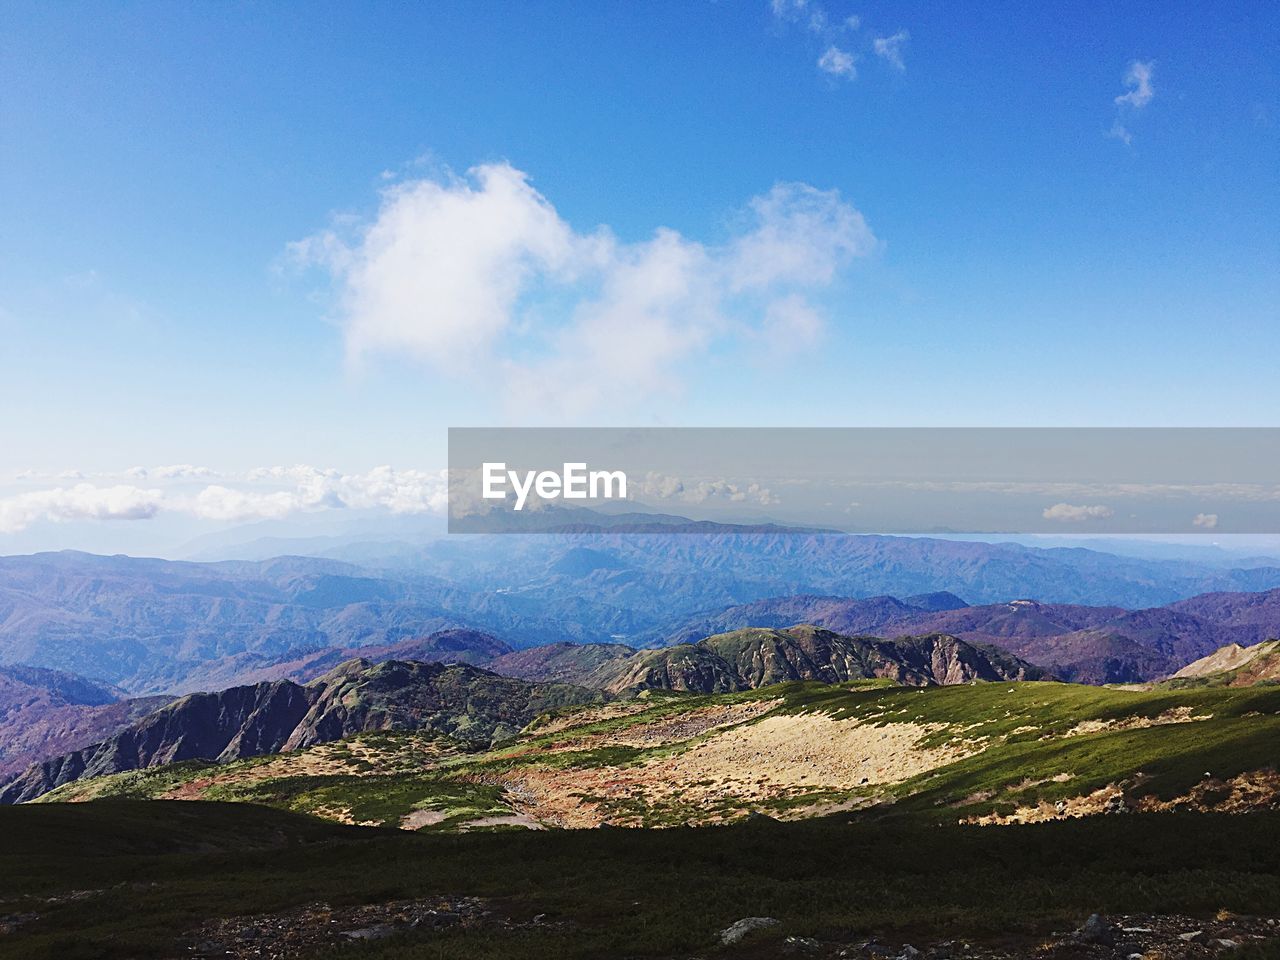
column 865, row 480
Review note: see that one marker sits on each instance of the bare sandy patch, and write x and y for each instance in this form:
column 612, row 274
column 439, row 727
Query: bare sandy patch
column 717, row 778
column 1256, row 790
column 804, row 750
column 1086, row 805
column 1173, row 715
column 421, row 818
column 504, row 820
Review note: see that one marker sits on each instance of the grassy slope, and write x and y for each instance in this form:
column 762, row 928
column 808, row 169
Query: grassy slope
column 1025, row 760
column 1024, row 724
column 615, row 892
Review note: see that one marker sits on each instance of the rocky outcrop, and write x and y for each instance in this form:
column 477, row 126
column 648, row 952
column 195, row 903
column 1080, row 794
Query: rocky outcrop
column 1233, row 666
column 746, row 659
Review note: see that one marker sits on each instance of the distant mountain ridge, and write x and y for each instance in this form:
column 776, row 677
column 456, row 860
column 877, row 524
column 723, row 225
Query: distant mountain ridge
column 155, row 626
column 46, row 712
column 757, row 657
column 458, row 700
column 1074, row 642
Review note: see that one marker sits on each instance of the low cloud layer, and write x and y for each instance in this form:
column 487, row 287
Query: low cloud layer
column 267, row 493
column 481, row 273
column 1071, row 513
column 84, row 501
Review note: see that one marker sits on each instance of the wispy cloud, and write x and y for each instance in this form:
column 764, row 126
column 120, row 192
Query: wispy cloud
column 838, row 63
column 838, row 58
column 1120, row 132
column 1206, row 521
column 1138, row 80
column 890, row 48
column 481, row 272
column 1140, row 92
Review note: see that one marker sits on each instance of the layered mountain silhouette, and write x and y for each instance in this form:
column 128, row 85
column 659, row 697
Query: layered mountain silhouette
column 47, row 712
column 457, row 700
column 155, row 626
column 1079, row 643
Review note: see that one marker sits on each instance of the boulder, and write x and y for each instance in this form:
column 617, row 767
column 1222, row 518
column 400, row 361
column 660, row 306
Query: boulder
column 1096, row 930
column 732, row 934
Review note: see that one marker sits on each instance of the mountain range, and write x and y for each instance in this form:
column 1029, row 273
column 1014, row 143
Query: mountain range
column 165, row 627
column 474, row 705
column 47, row 712
column 455, row 700
column 1079, row 643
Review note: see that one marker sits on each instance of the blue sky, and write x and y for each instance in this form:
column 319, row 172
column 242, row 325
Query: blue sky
column 1024, row 249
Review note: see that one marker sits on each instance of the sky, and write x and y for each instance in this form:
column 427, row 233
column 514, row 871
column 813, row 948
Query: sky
column 255, row 259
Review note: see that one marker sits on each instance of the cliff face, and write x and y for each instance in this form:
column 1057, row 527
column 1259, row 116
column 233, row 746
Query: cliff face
column 746, row 659
column 462, row 701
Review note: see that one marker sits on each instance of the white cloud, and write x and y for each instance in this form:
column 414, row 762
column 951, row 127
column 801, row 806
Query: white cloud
column 1138, row 80
column 664, row 487
column 1207, row 521
column 791, row 324
column 222, row 503
column 890, row 48
column 84, row 501
column 1140, row 93
column 800, row 236
column 833, row 31
column 265, row 493
column 1120, row 132
column 838, row 63
column 482, row 273
column 813, row 16
column 174, row 471
column 1070, row 513
column 789, row 9
column 438, row 273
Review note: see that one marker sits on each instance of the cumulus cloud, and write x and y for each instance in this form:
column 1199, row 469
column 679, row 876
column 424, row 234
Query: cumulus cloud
column 440, row 269
column 481, row 272
column 1206, row 521
column 890, row 48
column 799, row 236
column 1070, row 513
column 838, row 63
column 217, row 502
column 265, row 493
column 84, row 501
